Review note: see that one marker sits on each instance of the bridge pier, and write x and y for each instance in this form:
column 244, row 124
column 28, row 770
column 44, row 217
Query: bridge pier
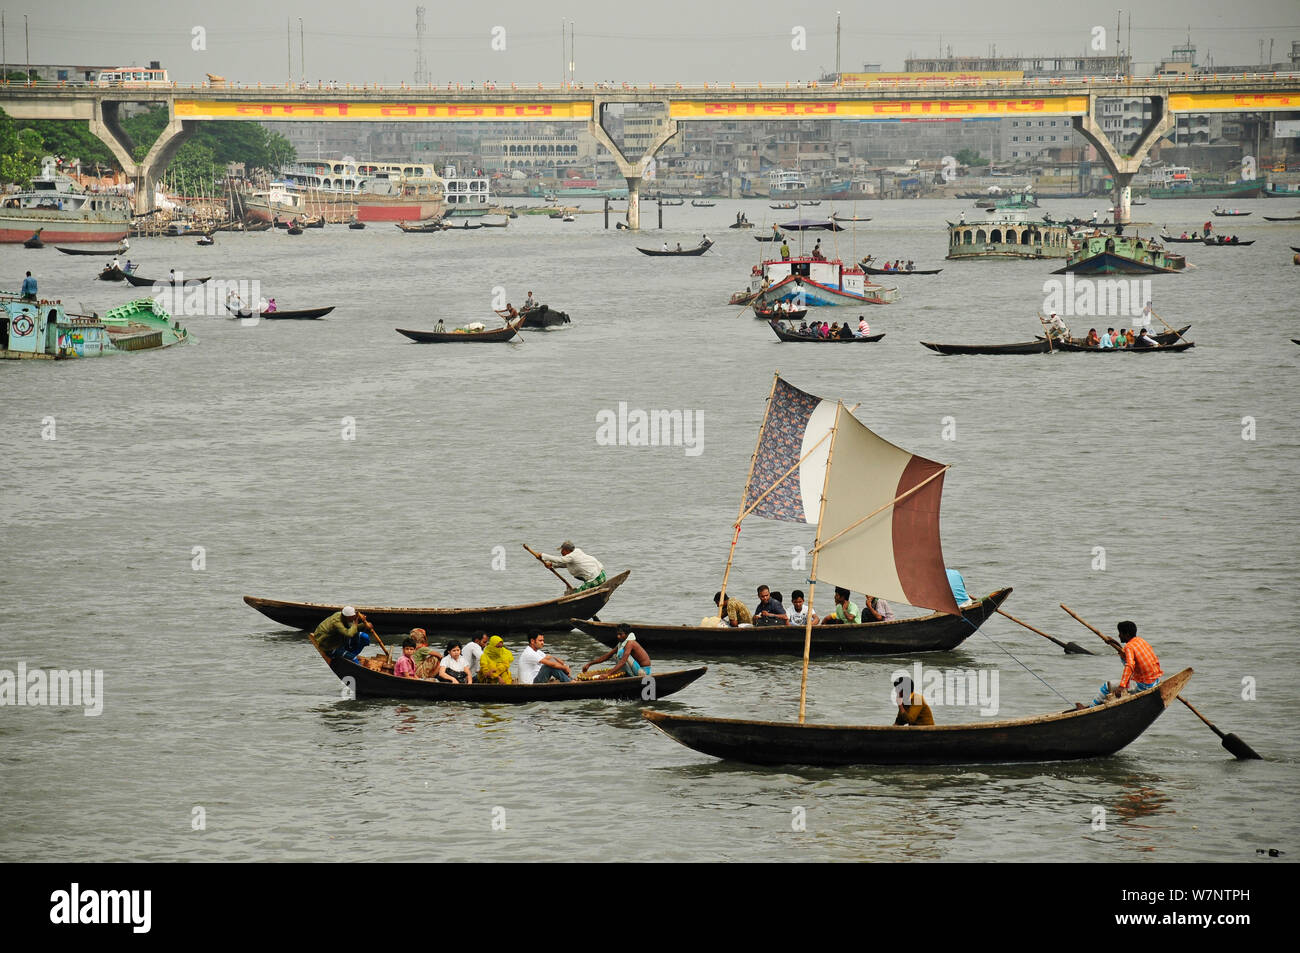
column 632, row 170
column 104, row 125
column 1124, row 168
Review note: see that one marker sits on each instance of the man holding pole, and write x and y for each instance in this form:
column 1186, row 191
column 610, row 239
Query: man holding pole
column 338, row 635
column 586, row 569
column 1141, row 667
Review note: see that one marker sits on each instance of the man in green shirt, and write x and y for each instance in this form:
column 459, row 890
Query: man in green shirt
column 737, row 611
column 846, row 613
column 339, row 637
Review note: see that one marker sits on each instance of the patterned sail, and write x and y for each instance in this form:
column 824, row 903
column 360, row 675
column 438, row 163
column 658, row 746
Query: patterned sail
column 896, row 553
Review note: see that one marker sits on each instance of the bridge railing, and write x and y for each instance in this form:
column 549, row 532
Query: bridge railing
column 996, row 83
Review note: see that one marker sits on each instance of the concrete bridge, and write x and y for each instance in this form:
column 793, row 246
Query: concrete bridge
column 1077, row 99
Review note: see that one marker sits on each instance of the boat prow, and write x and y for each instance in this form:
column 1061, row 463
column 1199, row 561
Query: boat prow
column 1070, row 735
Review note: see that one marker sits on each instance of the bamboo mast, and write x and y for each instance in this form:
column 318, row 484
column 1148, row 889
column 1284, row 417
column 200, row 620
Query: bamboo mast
column 740, row 514
column 812, row 578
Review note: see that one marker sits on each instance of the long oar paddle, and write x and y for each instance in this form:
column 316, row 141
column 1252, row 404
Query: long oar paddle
column 375, row 635
column 1071, row 648
column 550, row 568
column 1235, row 746
column 1175, row 330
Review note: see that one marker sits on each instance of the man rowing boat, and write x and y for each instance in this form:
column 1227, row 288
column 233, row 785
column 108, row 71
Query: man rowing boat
column 586, row 569
column 1141, row 667
column 338, row 635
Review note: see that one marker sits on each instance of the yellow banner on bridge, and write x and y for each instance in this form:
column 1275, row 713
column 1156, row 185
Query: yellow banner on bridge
column 963, row 108
column 354, row 110
column 1232, row 102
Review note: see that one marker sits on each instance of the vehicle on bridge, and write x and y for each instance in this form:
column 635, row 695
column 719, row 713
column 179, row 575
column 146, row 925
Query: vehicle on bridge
column 133, row 77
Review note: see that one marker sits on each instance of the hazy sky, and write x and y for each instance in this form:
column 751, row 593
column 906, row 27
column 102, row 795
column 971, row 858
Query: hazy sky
column 659, row 40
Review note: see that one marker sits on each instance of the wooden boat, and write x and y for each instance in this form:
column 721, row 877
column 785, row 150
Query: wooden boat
column 667, row 202
column 544, row 316
column 356, row 226
column 113, row 274
column 83, row 251
column 1182, row 241
column 372, row 684
column 1068, row 736
column 1214, row 242
column 697, row 204
column 1289, row 218
column 848, row 218
column 811, row 202
column 421, row 226
column 463, row 227
column 150, row 282
column 555, row 215
column 914, row 271
column 778, row 237
column 501, row 224
column 1229, row 213
column 937, row 632
column 550, row 615
column 295, row 230
column 769, row 314
column 684, row 253
column 35, row 240
column 812, row 225
column 304, row 314
column 785, row 206
column 258, row 227
column 1162, row 349
column 787, row 335
column 741, row 225
column 1037, row 346
column 1101, row 254
column 465, row 337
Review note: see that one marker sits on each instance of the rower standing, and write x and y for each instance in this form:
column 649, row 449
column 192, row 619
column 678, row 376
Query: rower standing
column 586, row 569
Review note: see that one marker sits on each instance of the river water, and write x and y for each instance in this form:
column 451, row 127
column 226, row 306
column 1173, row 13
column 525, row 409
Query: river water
column 181, row 480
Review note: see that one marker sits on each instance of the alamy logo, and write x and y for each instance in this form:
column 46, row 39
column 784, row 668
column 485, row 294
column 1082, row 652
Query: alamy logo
column 57, row 688
column 951, row 687
column 103, row 906
column 1099, row 298
column 655, row 428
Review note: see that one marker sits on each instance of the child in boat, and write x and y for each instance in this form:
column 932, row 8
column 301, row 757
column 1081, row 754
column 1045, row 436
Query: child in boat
column 454, row 669
column 405, row 667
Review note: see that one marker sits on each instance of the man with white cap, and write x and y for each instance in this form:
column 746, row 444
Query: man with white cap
column 339, row 636
column 586, row 569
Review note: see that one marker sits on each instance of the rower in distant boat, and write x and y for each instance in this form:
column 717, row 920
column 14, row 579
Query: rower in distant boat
column 1056, row 328
column 704, row 239
column 631, row 657
column 1141, row 667
column 586, row 569
column 338, row 636
column 440, row 328
column 912, row 706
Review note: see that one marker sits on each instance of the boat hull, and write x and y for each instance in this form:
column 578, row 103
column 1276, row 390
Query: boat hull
column 785, row 335
column 811, row 293
column 551, row 615
column 498, row 335
column 1036, row 346
column 1107, row 263
column 57, row 231
column 1068, row 736
column 937, row 632
column 371, row 684
column 370, row 211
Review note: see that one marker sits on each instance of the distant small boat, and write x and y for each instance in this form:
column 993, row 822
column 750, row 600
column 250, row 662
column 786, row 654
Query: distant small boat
column 811, row 224
column 778, row 237
column 1228, row 213
column 485, row 336
column 1218, row 244
column 786, row 334
column 1289, row 218
column 741, row 224
column 569, row 218
column 899, row 271
column 303, row 314
column 695, row 203
column 421, row 226
column 670, row 201
column 356, row 226
column 295, row 230
column 685, row 252
column 84, row 251
column 785, row 206
column 206, row 240
column 846, row 218
column 816, row 202
column 149, row 282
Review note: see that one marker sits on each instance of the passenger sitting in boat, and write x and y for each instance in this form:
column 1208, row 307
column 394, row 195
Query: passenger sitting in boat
column 911, row 266
column 823, row 330
column 494, row 663
column 1129, row 338
column 864, row 329
column 958, row 586
column 1144, row 339
column 440, row 328
column 1107, row 339
column 799, row 610
column 454, row 668
column 877, row 610
column 1196, row 236
column 912, row 707
column 270, row 306
column 756, row 270
column 426, row 659
column 630, row 656
column 473, row 652
column 769, row 611
column 536, row 666
column 679, row 246
column 1184, row 235
column 405, row 666
column 1141, row 667
column 803, row 328
column 846, row 613
column 1119, row 340
column 1092, row 340
column 835, row 330
column 665, row 248
column 846, row 332
column 338, row 635
column 737, row 613
column 529, row 303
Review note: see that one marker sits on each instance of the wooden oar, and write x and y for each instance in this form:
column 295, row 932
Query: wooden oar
column 1171, row 328
column 375, row 635
column 1235, row 746
column 551, row 568
column 1046, row 331
column 1071, row 648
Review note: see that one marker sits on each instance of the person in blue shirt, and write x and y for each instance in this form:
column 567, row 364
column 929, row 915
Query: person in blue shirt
column 958, row 585
column 769, row 610
column 29, row 288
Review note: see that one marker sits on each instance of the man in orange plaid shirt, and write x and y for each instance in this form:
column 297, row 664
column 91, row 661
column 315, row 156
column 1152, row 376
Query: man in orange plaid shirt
column 1141, row 667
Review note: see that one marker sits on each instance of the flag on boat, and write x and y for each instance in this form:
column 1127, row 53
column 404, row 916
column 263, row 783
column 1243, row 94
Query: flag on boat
column 879, row 531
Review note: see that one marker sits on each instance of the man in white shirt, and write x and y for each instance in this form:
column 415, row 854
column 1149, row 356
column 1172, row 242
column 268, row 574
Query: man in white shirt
column 586, row 569
column 535, row 666
column 800, row 610
column 474, row 651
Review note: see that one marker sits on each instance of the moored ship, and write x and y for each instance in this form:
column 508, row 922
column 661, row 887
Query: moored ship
column 63, row 211
column 1008, row 236
column 45, row 330
column 1097, row 253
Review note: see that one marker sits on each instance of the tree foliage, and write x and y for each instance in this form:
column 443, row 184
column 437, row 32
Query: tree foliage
column 970, row 157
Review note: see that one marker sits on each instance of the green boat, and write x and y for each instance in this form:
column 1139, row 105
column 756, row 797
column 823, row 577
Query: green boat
column 1250, row 189
column 45, row 330
column 1101, row 254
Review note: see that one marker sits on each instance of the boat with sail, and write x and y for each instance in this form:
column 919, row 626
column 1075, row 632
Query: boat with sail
column 875, row 507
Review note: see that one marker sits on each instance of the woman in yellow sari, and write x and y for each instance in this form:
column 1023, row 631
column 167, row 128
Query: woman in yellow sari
column 494, row 663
